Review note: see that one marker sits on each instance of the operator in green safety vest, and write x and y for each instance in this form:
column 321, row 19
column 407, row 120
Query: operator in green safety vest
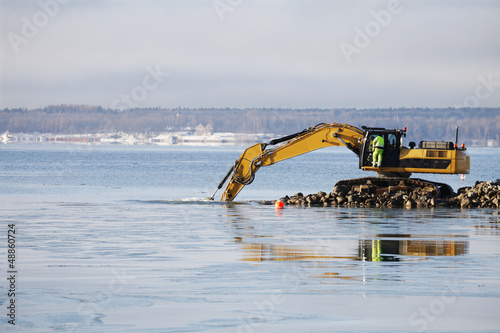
column 378, row 150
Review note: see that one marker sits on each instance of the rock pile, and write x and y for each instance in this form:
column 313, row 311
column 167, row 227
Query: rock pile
column 483, row 194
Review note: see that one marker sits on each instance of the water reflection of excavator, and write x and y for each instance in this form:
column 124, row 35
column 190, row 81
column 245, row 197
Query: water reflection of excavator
column 388, row 247
column 398, row 162
column 383, row 247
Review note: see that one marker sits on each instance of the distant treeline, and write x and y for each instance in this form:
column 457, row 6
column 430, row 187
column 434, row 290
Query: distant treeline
column 423, row 123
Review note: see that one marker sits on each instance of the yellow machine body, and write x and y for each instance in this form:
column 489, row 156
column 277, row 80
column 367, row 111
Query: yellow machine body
column 429, row 157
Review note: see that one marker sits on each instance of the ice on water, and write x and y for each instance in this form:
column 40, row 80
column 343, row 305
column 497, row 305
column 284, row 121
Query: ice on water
column 125, row 243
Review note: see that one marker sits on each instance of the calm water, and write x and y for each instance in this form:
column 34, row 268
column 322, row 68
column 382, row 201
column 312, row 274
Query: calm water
column 120, row 239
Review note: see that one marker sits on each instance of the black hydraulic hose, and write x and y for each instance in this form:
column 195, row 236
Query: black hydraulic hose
column 250, row 178
column 291, row 136
column 224, row 180
column 348, row 145
column 285, row 138
column 226, row 177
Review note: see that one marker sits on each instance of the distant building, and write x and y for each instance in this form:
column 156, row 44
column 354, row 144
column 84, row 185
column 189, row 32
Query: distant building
column 204, row 130
column 209, row 130
column 492, row 143
column 200, row 130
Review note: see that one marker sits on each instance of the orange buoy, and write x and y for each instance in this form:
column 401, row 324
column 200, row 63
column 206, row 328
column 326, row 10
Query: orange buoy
column 279, row 204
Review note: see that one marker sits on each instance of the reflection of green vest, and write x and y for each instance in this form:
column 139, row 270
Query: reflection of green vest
column 379, row 142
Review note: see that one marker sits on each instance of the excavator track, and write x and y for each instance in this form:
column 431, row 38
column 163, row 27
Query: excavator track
column 379, row 185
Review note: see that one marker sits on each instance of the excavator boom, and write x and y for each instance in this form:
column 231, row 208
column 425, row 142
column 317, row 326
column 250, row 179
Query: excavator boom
column 320, row 136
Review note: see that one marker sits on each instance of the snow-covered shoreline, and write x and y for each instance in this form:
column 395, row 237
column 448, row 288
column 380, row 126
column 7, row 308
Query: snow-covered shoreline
column 185, row 138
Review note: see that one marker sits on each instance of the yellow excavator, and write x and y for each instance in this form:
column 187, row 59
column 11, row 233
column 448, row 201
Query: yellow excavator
column 398, row 161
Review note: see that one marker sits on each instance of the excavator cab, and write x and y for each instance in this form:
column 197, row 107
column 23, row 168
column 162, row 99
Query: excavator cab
column 393, row 142
column 397, row 160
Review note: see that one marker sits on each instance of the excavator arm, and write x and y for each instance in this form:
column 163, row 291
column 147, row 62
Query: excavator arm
column 320, row 136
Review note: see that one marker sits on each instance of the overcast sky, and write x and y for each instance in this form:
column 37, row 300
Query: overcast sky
column 250, row 53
